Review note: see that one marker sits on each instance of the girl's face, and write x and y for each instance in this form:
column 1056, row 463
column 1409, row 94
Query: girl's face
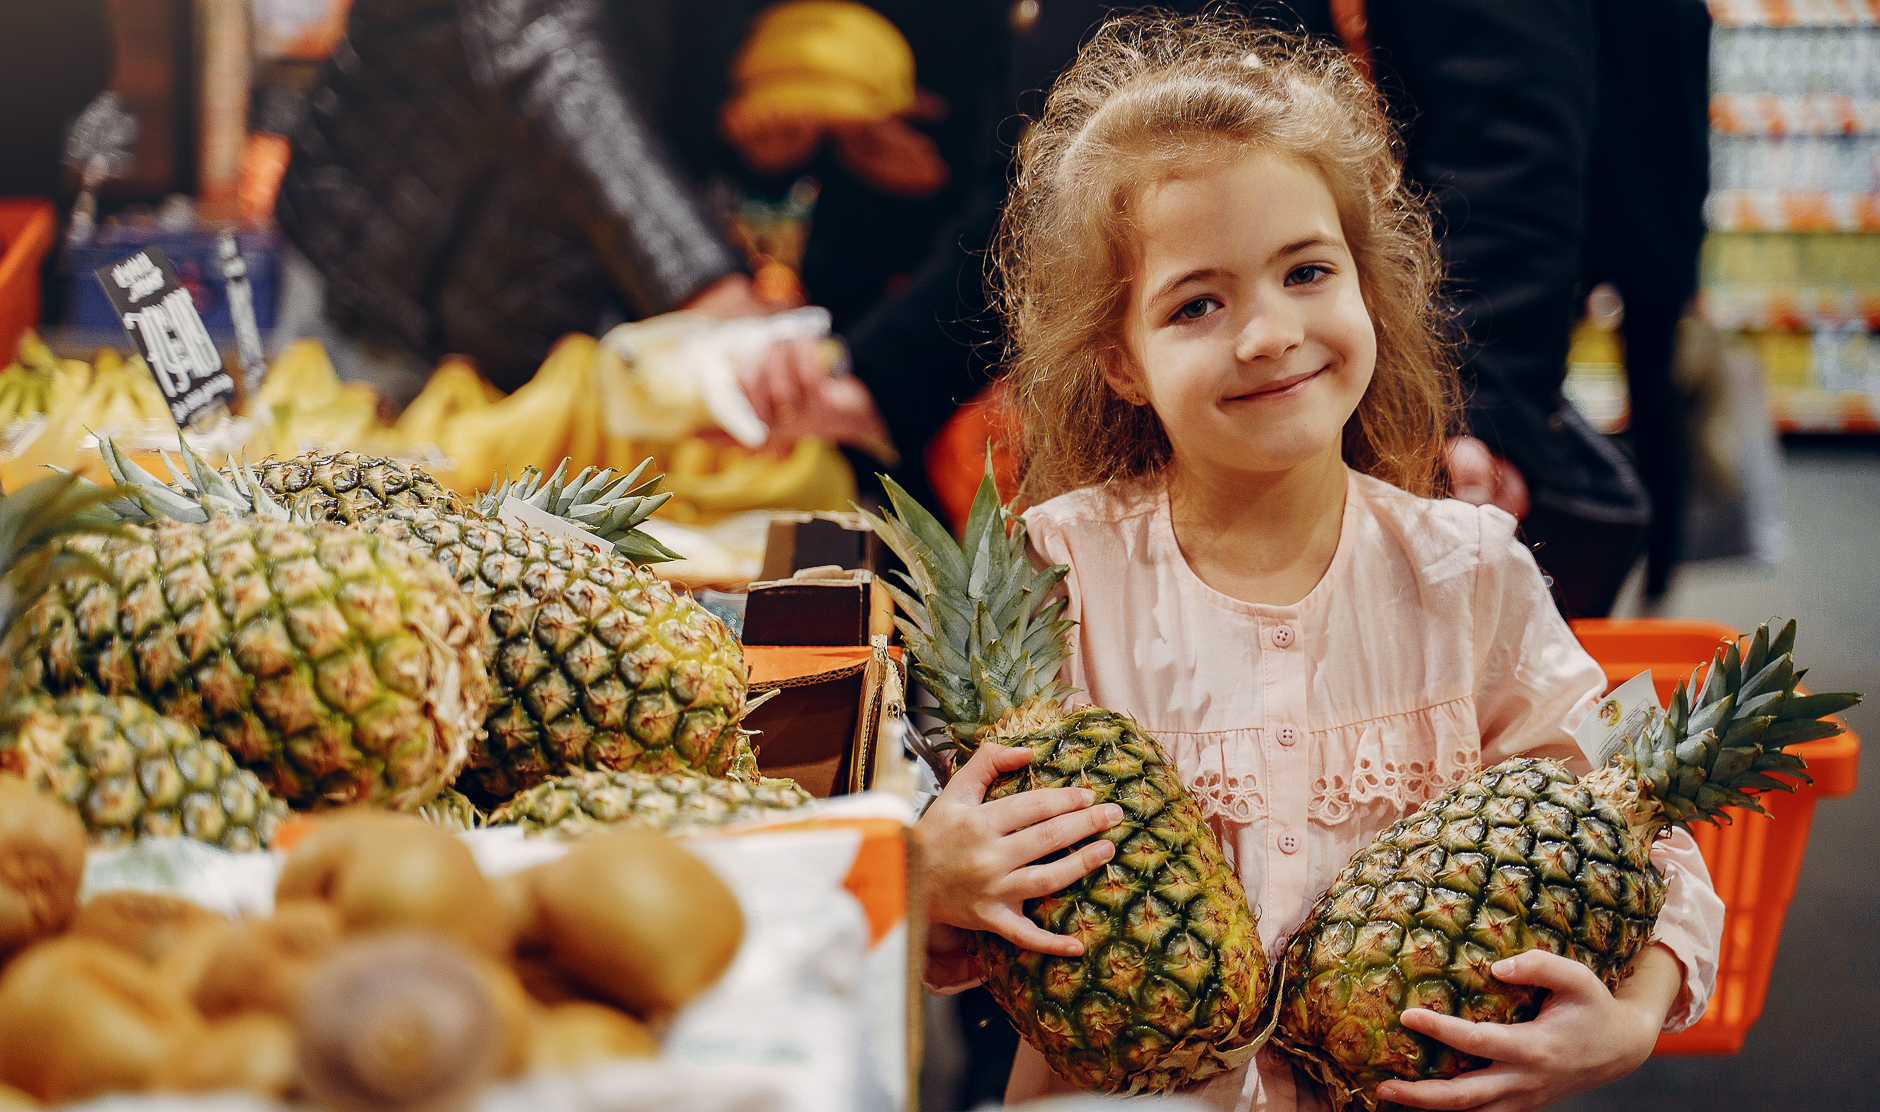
column 1250, row 337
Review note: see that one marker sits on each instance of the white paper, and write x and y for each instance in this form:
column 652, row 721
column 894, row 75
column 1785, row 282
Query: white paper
column 517, row 512
column 1617, row 719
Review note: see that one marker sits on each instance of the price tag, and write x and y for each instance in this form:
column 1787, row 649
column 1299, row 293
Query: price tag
column 517, row 512
column 241, row 310
column 1617, row 719
column 160, row 317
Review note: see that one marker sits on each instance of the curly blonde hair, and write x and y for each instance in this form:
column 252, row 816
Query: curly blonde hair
column 1148, row 98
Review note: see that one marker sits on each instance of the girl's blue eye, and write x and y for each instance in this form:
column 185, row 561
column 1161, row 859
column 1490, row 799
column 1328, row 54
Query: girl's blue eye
column 1198, row 308
column 1307, row 275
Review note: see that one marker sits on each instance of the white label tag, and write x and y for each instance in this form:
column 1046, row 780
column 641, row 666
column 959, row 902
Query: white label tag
column 517, row 512
column 1617, row 719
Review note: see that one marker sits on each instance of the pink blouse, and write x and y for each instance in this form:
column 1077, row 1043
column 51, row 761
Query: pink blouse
column 1431, row 648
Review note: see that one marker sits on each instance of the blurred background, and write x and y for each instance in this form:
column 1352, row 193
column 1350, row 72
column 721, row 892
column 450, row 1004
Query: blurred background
column 406, row 223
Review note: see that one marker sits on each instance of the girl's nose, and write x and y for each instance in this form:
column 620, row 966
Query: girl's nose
column 1270, row 333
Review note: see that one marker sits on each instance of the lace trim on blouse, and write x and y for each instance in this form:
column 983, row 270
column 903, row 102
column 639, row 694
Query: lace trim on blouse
column 1400, row 761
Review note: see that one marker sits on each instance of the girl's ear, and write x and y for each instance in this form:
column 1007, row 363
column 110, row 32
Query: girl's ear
column 1120, row 374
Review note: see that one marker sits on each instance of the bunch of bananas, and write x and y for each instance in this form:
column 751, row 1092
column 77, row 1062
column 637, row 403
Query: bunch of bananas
column 39, row 383
column 303, row 405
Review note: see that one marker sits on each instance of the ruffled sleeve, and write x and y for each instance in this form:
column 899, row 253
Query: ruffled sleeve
column 1534, row 684
column 1690, row 924
column 1533, row 680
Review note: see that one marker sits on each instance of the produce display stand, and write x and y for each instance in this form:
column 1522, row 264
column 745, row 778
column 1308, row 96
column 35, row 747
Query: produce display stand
column 1795, row 140
column 1755, row 861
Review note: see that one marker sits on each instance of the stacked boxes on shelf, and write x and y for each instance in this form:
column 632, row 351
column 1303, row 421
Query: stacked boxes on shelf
column 1793, row 260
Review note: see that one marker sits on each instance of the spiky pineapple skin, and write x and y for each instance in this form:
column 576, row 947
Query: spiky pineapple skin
column 581, row 803
column 133, row 773
column 1519, row 856
column 596, row 664
column 1172, row 971
column 351, row 488
column 339, row 666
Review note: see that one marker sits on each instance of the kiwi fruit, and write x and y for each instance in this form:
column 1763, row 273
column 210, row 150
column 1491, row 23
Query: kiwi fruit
column 639, row 920
column 79, row 1017
column 263, row 964
column 254, row 1052
column 383, row 871
column 515, row 1014
column 578, row 1033
column 42, row 860
column 398, row 1023
column 148, row 925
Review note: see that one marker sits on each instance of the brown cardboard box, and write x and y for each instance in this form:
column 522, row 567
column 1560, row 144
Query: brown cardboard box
column 831, row 705
column 818, row 606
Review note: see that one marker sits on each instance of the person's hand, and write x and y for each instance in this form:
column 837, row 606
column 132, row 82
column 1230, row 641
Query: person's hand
column 792, row 390
column 1480, row 477
column 1583, row 1037
column 980, row 855
column 729, row 297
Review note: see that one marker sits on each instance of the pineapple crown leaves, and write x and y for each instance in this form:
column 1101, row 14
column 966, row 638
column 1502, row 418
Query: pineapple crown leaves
column 610, row 508
column 198, row 492
column 32, row 520
column 977, row 617
column 1717, row 745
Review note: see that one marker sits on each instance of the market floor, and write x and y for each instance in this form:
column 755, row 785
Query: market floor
column 1815, row 1047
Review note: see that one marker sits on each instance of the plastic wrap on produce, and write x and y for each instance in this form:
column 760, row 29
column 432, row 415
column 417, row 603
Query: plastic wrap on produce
column 812, row 1015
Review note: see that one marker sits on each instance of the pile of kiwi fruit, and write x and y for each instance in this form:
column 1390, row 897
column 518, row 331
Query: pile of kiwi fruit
column 392, row 975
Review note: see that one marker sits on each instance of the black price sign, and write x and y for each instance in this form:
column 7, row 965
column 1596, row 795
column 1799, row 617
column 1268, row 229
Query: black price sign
column 161, row 319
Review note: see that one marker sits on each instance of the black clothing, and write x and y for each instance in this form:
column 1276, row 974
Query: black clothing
column 480, row 176
column 1645, row 228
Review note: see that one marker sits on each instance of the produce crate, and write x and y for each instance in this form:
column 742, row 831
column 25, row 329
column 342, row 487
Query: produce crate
column 26, row 230
column 1754, row 862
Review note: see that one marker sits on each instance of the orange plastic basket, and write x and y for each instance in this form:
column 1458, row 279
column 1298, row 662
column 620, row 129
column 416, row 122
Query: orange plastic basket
column 1754, row 862
column 26, row 229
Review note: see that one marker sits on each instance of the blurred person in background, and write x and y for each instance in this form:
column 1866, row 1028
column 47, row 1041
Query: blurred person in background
column 484, row 176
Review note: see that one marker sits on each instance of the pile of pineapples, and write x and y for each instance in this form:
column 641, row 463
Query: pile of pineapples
column 201, row 656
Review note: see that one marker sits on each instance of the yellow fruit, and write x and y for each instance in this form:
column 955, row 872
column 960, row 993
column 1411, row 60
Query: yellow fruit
column 638, row 919
column 569, row 1036
column 79, row 1017
column 382, row 871
column 42, row 860
column 253, row 1052
column 146, row 925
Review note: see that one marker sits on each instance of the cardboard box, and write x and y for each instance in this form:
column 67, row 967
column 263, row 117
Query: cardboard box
column 818, row 606
column 825, row 713
column 810, row 540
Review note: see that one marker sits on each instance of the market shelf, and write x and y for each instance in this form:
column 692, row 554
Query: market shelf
column 1795, row 13
column 1771, row 210
column 1774, row 114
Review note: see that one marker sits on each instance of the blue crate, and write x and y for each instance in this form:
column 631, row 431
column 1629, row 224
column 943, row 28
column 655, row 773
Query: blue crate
column 193, row 254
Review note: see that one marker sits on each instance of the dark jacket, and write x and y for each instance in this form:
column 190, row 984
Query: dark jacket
column 482, row 176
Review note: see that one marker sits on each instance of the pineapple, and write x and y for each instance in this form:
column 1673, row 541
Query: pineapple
column 339, row 666
column 453, row 810
column 583, row 802
column 1524, row 855
column 131, row 772
column 596, row 663
column 1170, row 983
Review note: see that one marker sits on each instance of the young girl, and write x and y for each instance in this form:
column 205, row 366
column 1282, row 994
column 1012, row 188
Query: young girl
column 1234, row 404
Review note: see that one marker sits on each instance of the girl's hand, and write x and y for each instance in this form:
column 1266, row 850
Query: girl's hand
column 1583, row 1037
column 1480, row 477
column 979, row 855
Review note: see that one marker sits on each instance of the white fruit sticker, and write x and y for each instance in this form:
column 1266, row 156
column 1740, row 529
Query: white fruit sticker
column 517, row 512
column 1617, row 719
